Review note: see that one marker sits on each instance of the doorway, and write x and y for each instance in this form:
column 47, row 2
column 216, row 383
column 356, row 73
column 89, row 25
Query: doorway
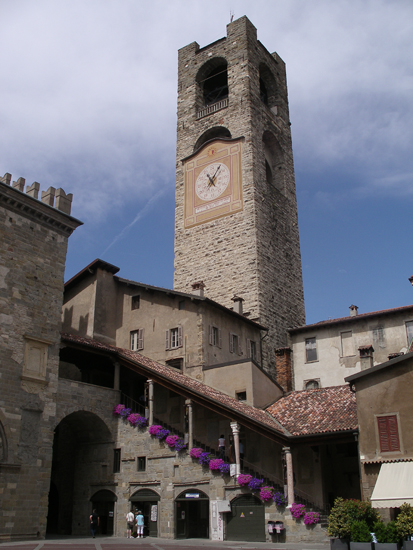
column 147, row 501
column 246, row 521
column 104, row 503
column 192, row 515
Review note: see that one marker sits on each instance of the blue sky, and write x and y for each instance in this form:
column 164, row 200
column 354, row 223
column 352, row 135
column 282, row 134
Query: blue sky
column 88, row 103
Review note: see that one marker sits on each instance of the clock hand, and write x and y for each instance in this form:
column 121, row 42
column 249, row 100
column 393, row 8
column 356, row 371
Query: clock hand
column 216, row 171
column 211, row 180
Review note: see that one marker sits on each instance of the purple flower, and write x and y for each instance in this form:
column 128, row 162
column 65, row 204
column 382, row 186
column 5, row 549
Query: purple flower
column 311, row 518
column 255, row 483
column 215, row 463
column 297, row 510
column 118, row 409
column 154, row 429
column 204, row 458
column 195, row 452
column 279, row 499
column 171, row 440
column 133, row 419
column 161, row 434
column 124, row 413
column 244, row 479
column 142, row 422
column 224, row 468
column 180, row 445
column 266, row 493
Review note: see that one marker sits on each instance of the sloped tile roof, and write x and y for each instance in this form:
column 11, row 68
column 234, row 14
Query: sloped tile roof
column 167, row 373
column 319, row 411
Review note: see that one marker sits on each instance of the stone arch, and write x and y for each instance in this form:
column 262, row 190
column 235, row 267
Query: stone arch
column 192, row 514
column 147, row 501
column 268, row 86
column 82, row 454
column 274, row 161
column 212, row 82
column 217, row 132
column 103, row 502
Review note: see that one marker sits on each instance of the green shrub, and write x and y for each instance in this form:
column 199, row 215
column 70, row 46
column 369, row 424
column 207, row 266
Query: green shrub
column 391, row 532
column 404, row 521
column 360, row 531
column 345, row 512
column 380, row 532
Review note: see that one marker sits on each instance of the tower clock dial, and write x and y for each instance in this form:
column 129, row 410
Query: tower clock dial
column 212, row 181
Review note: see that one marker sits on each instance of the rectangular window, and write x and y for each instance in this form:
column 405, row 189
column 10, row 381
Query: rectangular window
column 141, row 463
column 310, row 349
column 136, row 302
column 347, row 345
column 234, row 344
column 175, row 363
column 241, row 395
column 388, row 433
column 181, row 304
column 215, row 336
column 116, row 461
column 378, row 338
column 136, row 339
column 409, row 331
column 173, row 338
column 252, row 349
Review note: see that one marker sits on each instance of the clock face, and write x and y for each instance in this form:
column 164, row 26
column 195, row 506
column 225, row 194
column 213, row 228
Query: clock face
column 212, row 181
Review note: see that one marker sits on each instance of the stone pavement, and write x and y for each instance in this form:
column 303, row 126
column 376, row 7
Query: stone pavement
column 151, row 543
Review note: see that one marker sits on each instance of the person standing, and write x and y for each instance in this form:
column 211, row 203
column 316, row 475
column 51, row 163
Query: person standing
column 130, row 520
column 94, row 522
column 139, row 524
column 221, row 447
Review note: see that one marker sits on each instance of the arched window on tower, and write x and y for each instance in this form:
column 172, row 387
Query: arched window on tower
column 274, row 161
column 268, row 88
column 212, row 133
column 212, row 86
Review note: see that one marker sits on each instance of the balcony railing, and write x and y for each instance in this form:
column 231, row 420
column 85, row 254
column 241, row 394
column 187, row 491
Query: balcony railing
column 209, row 109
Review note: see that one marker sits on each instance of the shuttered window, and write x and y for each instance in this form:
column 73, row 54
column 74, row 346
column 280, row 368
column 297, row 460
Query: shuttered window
column 215, row 336
column 173, row 338
column 388, row 433
column 136, row 339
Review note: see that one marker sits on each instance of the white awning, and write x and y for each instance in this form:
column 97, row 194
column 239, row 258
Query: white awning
column 394, row 485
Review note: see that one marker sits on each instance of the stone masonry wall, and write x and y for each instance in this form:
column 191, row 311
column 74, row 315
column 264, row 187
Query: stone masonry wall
column 255, row 253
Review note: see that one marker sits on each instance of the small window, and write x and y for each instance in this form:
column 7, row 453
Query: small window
column 215, row 336
column 173, row 338
column 136, row 339
column 175, row 363
column 234, row 344
column 136, row 302
column 388, row 433
column 116, row 461
column 181, row 304
column 141, row 463
column 311, row 384
column 409, row 331
column 347, row 345
column 252, row 349
column 241, row 395
column 310, row 349
column 378, row 338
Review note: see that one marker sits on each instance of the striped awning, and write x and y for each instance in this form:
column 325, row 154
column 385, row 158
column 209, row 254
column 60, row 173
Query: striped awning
column 394, row 485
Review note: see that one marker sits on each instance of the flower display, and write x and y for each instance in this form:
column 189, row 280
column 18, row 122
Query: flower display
column 244, row 479
column 180, row 445
column 195, row 452
column 255, row 484
column 124, row 413
column 133, row 419
column 154, row 429
column 279, row 499
column 297, row 510
column 118, row 409
column 204, row 458
column 142, row 422
column 224, row 468
column 215, row 463
column 162, row 434
column 311, row 518
column 171, row 440
column 266, row 493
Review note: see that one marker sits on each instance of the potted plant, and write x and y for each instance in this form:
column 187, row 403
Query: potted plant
column 404, row 525
column 386, row 536
column 361, row 538
column 343, row 514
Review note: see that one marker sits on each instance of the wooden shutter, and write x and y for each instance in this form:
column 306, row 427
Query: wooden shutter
column 210, row 334
column 388, row 433
column 140, row 338
column 231, row 342
column 179, row 337
column 219, row 338
column 239, row 345
column 166, row 339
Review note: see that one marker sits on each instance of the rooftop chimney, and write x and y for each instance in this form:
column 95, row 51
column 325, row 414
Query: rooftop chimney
column 238, row 304
column 198, row 288
column 353, row 311
column 366, row 356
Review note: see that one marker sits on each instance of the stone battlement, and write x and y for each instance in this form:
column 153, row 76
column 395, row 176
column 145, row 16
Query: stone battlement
column 63, row 202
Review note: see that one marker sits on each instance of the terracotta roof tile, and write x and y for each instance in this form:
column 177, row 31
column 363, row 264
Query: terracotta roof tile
column 319, row 411
column 253, row 413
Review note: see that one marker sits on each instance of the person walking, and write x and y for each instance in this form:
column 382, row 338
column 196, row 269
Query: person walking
column 94, row 522
column 130, row 521
column 139, row 524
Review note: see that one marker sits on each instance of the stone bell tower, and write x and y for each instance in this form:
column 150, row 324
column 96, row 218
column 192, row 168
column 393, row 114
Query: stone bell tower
column 236, row 211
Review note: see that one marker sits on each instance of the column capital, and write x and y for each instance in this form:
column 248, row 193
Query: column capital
column 235, row 427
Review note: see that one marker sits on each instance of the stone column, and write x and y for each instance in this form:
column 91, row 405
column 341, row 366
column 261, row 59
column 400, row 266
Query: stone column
column 150, row 401
column 116, row 376
column 188, row 404
column 290, row 475
column 235, row 433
